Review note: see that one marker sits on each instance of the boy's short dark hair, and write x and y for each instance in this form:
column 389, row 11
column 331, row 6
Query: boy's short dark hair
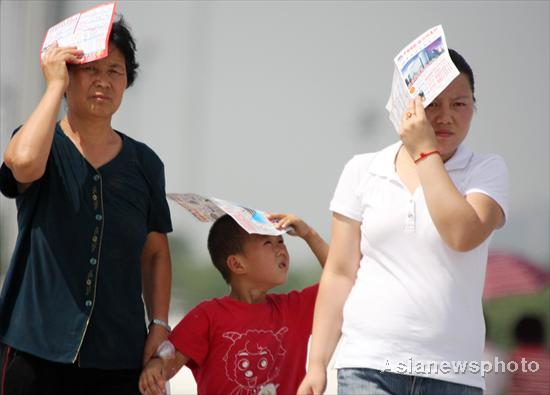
column 226, row 237
column 122, row 38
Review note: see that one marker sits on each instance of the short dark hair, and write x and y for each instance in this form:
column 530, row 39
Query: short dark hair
column 463, row 67
column 529, row 330
column 226, row 237
column 123, row 40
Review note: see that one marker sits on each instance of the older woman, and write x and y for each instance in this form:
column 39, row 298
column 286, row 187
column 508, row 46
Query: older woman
column 93, row 218
column 406, row 266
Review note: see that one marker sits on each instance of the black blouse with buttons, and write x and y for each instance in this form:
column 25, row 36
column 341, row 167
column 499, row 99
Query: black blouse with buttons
column 72, row 292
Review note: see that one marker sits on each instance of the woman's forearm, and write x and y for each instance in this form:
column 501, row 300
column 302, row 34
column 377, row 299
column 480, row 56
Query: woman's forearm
column 27, row 152
column 327, row 322
column 462, row 222
column 338, row 277
column 157, row 275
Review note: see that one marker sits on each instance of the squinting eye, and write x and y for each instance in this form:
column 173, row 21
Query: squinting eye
column 460, row 104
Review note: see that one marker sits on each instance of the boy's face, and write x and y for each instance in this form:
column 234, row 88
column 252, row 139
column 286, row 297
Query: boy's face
column 266, row 259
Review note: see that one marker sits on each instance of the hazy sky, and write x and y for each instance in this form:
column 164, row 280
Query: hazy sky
column 264, row 102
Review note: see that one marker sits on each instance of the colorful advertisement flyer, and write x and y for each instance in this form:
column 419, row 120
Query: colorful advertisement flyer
column 88, row 31
column 423, row 68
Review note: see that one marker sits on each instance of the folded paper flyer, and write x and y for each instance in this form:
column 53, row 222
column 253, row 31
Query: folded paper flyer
column 210, row 209
column 88, row 30
column 423, row 68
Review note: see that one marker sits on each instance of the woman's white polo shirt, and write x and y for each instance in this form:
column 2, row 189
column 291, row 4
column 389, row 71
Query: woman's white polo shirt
column 416, row 301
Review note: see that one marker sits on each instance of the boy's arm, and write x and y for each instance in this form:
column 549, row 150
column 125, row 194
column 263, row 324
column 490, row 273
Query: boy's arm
column 299, row 228
column 317, row 245
column 158, row 371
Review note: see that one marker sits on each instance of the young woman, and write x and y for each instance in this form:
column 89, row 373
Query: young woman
column 404, row 277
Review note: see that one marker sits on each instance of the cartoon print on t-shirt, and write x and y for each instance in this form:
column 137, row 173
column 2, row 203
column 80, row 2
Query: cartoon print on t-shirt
column 253, row 360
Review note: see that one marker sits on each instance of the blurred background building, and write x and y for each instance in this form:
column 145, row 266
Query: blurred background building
column 263, row 102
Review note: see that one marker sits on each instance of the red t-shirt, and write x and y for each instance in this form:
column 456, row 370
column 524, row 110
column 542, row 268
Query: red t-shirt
column 237, row 348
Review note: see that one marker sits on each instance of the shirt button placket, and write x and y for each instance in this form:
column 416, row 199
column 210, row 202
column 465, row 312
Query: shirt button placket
column 91, row 277
column 410, row 225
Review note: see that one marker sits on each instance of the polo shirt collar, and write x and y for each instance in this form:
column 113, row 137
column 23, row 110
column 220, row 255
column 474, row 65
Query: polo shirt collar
column 460, row 159
column 383, row 163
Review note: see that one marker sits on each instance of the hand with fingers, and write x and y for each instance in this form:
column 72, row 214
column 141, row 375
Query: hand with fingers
column 54, row 63
column 416, row 131
column 152, row 380
column 297, row 226
column 314, row 383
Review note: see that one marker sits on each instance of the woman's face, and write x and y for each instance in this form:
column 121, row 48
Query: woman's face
column 450, row 115
column 96, row 88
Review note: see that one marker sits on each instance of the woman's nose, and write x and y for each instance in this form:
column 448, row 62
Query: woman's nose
column 101, row 79
column 443, row 115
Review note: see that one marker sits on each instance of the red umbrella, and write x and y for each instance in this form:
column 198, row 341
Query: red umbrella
column 509, row 274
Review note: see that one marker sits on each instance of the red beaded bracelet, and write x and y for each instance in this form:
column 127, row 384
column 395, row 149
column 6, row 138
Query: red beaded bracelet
column 424, row 154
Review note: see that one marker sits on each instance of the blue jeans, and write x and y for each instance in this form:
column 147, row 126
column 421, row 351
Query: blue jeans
column 364, row 381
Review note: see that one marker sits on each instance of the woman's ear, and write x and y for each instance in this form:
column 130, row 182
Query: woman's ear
column 235, row 264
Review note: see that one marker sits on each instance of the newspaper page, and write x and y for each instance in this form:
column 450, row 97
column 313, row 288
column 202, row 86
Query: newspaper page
column 210, row 209
column 423, row 68
column 88, row 31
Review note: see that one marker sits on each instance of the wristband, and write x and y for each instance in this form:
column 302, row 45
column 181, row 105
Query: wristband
column 164, row 324
column 166, row 350
column 422, row 155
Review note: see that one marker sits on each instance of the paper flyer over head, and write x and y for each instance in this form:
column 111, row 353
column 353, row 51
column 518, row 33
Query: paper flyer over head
column 210, row 209
column 88, row 31
column 423, row 68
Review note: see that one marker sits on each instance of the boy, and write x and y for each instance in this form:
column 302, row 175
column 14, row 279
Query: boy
column 249, row 342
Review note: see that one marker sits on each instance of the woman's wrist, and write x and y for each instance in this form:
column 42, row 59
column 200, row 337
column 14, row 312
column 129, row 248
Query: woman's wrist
column 416, row 150
column 424, row 154
column 316, row 366
column 161, row 323
column 56, row 86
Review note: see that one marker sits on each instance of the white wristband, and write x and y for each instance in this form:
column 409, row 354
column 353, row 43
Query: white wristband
column 166, row 350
